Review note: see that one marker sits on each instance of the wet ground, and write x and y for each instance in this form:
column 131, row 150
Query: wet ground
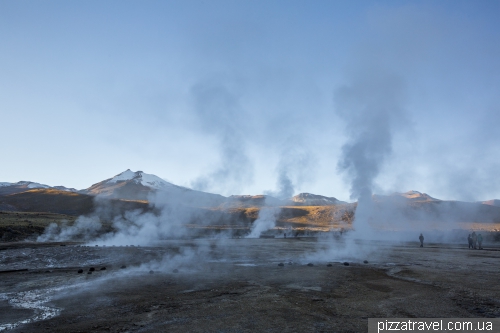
column 240, row 285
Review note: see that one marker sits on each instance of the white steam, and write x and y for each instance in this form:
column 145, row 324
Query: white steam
column 266, row 221
column 221, row 115
column 372, row 109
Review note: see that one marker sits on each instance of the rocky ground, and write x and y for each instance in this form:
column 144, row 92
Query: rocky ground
column 240, row 285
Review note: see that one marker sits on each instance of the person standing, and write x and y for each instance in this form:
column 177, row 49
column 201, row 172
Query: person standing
column 480, row 241
column 474, row 240
column 469, row 239
column 421, row 238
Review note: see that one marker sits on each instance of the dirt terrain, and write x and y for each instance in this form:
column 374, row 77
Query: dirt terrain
column 238, row 285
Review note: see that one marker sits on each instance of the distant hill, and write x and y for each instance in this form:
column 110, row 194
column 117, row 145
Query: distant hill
column 9, row 188
column 416, row 196
column 308, row 199
column 131, row 190
column 406, row 197
column 22, row 186
column 246, row 201
column 493, row 202
column 65, row 202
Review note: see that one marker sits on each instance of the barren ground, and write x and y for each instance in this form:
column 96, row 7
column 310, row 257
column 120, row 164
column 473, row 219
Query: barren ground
column 236, row 285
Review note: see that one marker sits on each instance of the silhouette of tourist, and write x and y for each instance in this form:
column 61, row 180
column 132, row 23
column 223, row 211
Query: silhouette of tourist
column 474, row 240
column 421, row 238
column 469, row 239
column 480, row 241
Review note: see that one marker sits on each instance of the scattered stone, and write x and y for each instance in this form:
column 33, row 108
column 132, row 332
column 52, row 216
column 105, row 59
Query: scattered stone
column 329, row 265
column 176, row 270
column 346, row 263
column 47, row 271
column 80, row 271
column 91, row 269
column 151, row 272
column 89, row 272
column 281, row 264
column 365, row 261
column 123, row 266
column 103, row 268
column 290, row 263
column 62, row 245
column 310, row 264
column 97, row 245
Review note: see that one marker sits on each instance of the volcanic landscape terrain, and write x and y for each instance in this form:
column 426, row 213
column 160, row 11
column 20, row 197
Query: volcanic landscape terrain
column 135, row 253
column 240, row 285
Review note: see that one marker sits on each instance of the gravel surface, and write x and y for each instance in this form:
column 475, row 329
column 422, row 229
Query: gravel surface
column 236, row 285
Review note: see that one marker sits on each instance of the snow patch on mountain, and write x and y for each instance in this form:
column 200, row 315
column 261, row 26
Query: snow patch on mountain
column 142, row 178
column 64, row 188
column 25, row 184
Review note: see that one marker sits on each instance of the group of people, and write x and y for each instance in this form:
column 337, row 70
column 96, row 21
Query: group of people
column 475, row 241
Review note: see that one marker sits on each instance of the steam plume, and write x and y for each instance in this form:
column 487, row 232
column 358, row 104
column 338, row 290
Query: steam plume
column 372, row 109
column 221, row 115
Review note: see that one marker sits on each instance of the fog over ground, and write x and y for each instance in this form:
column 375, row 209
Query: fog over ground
column 249, row 97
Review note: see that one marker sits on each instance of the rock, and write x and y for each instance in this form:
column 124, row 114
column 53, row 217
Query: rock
column 329, row 265
column 290, row 263
column 151, row 272
column 80, row 271
column 89, row 272
column 176, row 270
column 365, row 261
column 91, row 269
column 310, row 264
column 103, row 268
column 346, row 263
column 123, row 266
column 281, row 264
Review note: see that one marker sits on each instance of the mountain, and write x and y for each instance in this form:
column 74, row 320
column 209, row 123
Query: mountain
column 493, row 202
column 9, row 188
column 66, row 202
column 128, row 185
column 416, row 196
column 246, row 201
column 405, row 198
column 64, row 188
column 142, row 186
column 308, row 199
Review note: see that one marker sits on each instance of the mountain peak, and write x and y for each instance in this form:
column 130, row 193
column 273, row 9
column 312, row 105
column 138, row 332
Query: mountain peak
column 416, row 195
column 309, row 199
column 139, row 177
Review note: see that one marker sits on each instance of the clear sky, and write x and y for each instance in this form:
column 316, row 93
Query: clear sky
column 247, row 97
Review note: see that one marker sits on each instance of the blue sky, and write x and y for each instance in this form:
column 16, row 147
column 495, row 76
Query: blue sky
column 233, row 97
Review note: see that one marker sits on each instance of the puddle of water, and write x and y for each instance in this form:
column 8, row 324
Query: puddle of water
column 302, row 288
column 31, row 300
